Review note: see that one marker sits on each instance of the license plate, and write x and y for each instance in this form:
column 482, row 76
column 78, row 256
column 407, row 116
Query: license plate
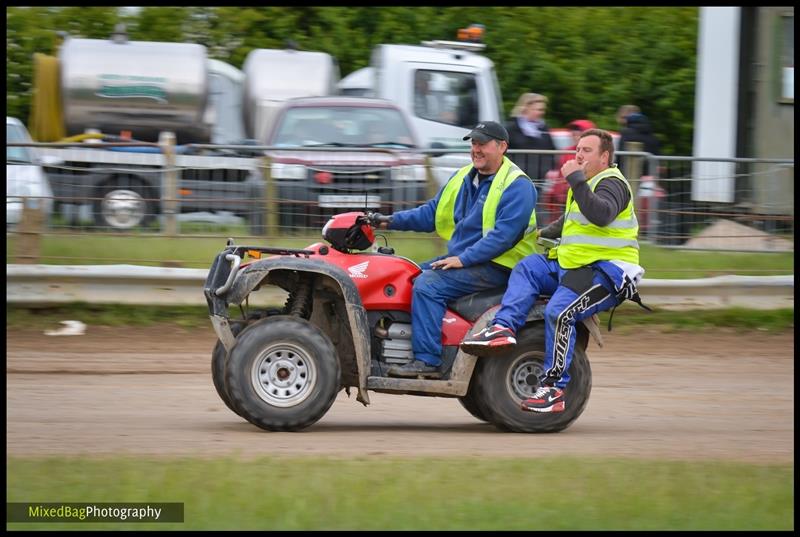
column 345, row 201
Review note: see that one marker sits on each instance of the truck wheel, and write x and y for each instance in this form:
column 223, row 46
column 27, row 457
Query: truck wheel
column 282, row 374
column 468, row 401
column 506, row 380
column 218, row 361
column 123, row 204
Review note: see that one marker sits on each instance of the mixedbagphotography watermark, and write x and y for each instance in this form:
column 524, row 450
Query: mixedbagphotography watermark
column 94, row 512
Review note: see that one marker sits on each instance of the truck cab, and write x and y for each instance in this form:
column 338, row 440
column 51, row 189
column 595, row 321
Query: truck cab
column 445, row 88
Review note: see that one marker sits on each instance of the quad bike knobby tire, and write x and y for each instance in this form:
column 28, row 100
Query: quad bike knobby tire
column 468, row 401
column 218, row 359
column 282, row 373
column 504, row 381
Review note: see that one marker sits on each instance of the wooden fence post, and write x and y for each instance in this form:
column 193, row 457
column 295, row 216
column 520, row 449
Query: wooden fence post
column 29, row 232
column 270, row 203
column 170, row 176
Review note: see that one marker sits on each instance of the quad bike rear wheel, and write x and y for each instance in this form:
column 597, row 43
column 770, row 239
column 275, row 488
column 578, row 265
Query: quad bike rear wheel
column 468, row 401
column 282, row 373
column 504, row 381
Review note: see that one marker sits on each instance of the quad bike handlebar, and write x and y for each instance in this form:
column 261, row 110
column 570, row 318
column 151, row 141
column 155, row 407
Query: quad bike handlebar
column 376, row 219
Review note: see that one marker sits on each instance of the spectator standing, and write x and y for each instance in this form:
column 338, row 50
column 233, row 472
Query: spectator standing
column 638, row 129
column 624, row 111
column 528, row 130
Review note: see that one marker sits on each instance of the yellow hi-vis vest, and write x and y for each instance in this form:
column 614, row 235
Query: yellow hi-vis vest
column 583, row 243
column 445, row 218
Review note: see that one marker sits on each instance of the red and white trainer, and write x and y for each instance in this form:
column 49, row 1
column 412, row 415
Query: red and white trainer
column 546, row 399
column 491, row 338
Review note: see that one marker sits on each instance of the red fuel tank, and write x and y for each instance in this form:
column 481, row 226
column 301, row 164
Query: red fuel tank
column 383, row 281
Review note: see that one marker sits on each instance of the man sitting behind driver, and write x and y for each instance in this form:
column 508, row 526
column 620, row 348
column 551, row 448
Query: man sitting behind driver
column 486, row 214
column 594, row 268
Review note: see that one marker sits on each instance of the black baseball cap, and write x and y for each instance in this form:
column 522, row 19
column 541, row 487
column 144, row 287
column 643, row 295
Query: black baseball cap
column 487, row 130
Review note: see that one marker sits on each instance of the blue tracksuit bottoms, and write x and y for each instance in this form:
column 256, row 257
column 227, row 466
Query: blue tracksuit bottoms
column 536, row 275
column 433, row 289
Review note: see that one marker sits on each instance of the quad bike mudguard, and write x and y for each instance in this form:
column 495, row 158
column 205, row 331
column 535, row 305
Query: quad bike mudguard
column 235, row 285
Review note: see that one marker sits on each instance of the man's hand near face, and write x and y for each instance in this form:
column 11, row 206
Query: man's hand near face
column 569, row 167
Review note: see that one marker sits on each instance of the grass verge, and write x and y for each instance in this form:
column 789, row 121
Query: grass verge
column 406, row 494
column 627, row 316
column 198, row 252
column 630, row 316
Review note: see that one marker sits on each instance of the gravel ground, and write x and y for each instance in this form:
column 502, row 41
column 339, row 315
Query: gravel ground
column 148, row 391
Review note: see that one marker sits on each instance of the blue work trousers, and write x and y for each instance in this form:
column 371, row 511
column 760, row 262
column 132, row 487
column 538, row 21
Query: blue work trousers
column 536, row 275
column 433, row 289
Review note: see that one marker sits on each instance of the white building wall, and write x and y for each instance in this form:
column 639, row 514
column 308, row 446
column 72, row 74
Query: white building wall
column 716, row 101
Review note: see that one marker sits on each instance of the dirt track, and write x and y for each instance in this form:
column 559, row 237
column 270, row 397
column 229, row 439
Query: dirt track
column 148, row 391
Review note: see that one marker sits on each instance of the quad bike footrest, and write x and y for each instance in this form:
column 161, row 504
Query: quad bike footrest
column 443, row 387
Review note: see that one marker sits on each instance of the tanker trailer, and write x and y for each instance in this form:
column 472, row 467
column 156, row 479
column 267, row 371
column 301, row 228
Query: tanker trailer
column 141, row 87
column 129, row 89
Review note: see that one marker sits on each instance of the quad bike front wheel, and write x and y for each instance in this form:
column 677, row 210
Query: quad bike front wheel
column 218, row 360
column 504, row 381
column 282, row 374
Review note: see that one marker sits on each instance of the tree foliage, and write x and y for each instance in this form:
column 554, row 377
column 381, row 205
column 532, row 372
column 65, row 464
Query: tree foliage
column 587, row 60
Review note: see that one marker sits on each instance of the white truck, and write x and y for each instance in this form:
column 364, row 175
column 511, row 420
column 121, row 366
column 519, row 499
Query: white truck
column 129, row 89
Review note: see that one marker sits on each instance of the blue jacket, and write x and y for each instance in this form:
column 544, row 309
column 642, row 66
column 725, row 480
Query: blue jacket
column 468, row 243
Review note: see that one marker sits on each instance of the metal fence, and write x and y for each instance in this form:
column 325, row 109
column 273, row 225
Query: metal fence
column 204, row 190
column 104, row 190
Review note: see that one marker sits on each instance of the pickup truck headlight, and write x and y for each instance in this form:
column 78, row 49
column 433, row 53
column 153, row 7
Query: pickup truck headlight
column 415, row 172
column 288, row 171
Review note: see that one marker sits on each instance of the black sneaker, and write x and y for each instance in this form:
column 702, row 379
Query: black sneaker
column 546, row 399
column 415, row 369
column 492, row 338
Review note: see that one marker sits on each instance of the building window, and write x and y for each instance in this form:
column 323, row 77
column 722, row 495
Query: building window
column 786, row 59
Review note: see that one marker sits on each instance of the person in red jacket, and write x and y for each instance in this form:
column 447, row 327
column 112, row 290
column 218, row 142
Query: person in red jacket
column 555, row 195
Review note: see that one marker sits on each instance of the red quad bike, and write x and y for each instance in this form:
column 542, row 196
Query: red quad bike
column 347, row 321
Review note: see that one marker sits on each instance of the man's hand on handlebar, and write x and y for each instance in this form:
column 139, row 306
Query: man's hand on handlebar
column 377, row 220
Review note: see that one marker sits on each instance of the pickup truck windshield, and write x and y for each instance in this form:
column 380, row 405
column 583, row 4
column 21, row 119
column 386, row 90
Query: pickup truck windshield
column 343, row 126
